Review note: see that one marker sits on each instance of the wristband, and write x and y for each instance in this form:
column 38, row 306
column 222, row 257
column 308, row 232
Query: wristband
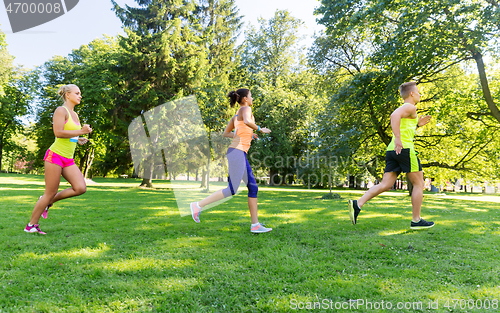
column 258, row 129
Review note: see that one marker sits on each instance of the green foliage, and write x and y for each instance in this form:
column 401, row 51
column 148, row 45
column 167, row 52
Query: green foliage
column 220, row 22
column 15, row 103
column 331, row 196
column 272, row 50
column 369, row 48
column 286, row 95
column 5, row 63
column 456, row 143
column 420, row 39
column 161, row 58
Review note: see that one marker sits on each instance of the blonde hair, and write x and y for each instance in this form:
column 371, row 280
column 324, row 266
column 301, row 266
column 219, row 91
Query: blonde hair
column 64, row 89
column 406, row 88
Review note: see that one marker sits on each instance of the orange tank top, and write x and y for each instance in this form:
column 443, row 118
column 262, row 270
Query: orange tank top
column 242, row 134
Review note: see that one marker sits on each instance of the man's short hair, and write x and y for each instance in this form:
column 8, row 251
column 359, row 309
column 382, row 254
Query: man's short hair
column 406, row 88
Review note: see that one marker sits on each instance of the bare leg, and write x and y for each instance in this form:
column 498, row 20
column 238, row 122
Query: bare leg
column 252, row 206
column 73, row 175
column 388, row 181
column 216, row 196
column 52, row 180
column 417, row 195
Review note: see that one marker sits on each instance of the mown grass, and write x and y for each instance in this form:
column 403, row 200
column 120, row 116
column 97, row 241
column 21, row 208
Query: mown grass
column 119, row 248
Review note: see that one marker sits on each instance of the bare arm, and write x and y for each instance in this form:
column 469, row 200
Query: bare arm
column 59, row 120
column 423, row 120
column 230, row 126
column 247, row 118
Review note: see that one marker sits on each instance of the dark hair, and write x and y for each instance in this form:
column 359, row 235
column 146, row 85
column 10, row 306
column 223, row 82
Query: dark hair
column 237, row 96
column 406, row 88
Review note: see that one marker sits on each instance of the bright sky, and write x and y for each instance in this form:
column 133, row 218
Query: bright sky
column 90, row 19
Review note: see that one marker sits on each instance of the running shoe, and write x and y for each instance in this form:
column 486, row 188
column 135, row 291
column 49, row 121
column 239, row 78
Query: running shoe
column 354, row 211
column 34, row 229
column 422, row 224
column 46, row 211
column 195, row 211
column 260, row 229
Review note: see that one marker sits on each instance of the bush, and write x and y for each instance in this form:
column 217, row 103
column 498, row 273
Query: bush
column 331, row 196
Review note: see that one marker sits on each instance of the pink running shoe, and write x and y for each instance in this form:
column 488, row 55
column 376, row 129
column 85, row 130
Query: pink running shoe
column 34, row 229
column 46, row 211
column 195, row 211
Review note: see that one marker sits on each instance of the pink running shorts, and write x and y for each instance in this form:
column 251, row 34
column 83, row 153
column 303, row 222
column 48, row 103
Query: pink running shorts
column 55, row 158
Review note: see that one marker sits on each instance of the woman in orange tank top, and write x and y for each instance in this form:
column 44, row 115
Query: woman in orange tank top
column 243, row 124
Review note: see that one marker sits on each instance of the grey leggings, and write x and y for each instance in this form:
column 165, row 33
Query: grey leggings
column 239, row 169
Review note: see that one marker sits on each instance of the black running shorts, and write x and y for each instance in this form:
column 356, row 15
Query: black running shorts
column 406, row 162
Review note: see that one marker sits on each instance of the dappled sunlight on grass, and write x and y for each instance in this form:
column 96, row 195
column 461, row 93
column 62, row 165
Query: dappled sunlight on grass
column 175, row 284
column 167, row 212
column 106, row 190
column 42, row 187
column 188, row 238
column 74, row 253
column 232, row 228
column 470, row 197
column 140, row 264
column 393, row 232
column 474, row 210
column 147, row 225
column 381, row 216
column 154, row 260
column 19, row 198
column 295, row 216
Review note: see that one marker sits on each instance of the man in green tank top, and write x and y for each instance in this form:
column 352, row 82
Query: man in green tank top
column 401, row 157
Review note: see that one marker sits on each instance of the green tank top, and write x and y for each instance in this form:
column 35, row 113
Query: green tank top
column 65, row 147
column 407, row 131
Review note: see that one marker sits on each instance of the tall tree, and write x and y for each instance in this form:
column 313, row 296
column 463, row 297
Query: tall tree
column 5, row 62
column 220, row 26
column 384, row 43
column 14, row 104
column 16, row 92
column 273, row 49
column 422, row 38
column 162, row 59
column 287, row 94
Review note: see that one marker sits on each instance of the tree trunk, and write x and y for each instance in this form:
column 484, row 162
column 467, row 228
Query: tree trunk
column 203, row 179
column 208, row 174
column 330, row 179
column 272, row 174
column 83, row 161
column 373, row 170
column 147, row 179
column 88, row 164
column 484, row 84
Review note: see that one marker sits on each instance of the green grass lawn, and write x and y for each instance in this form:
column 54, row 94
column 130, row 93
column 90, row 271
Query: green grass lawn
column 119, row 248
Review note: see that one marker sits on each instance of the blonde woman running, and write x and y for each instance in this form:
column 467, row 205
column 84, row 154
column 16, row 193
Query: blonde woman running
column 59, row 157
column 243, row 124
